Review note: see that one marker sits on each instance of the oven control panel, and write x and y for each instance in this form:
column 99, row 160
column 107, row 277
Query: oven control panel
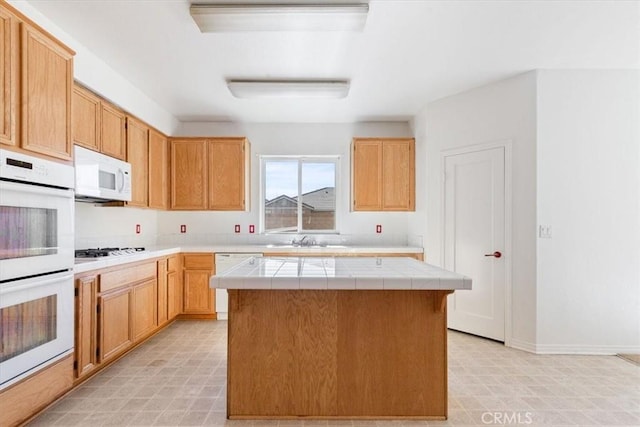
column 30, row 169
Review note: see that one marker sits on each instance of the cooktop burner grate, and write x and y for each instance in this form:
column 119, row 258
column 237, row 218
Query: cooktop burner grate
column 102, row 252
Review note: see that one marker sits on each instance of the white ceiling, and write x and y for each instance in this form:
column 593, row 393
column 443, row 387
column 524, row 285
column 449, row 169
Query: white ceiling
column 411, row 53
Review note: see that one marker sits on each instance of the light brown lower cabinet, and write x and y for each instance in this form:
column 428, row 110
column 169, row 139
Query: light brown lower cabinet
column 175, row 291
column 145, row 308
column 26, row 398
column 169, row 289
column 86, row 324
column 117, row 308
column 114, row 330
column 163, row 303
column 199, row 298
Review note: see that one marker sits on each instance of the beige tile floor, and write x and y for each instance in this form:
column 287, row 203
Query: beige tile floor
column 177, row 378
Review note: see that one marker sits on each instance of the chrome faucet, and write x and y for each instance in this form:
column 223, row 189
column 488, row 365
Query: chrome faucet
column 304, row 241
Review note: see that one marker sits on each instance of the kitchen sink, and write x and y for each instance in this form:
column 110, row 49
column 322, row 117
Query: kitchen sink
column 317, row 246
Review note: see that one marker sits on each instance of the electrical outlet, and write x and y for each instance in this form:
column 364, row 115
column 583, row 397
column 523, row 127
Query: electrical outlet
column 237, row 228
column 379, row 228
column 137, row 228
column 544, row 231
column 183, row 228
column 252, row 228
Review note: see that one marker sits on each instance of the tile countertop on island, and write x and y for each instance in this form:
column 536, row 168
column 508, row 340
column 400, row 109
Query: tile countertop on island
column 83, row 265
column 386, row 273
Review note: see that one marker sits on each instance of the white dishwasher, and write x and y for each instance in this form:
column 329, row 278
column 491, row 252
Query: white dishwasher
column 224, row 262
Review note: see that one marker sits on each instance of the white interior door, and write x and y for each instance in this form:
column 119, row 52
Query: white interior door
column 474, row 239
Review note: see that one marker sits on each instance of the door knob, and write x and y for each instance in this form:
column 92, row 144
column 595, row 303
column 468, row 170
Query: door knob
column 495, row 254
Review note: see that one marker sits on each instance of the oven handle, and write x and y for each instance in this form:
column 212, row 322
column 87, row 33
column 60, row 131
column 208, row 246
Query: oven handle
column 36, row 189
column 34, row 282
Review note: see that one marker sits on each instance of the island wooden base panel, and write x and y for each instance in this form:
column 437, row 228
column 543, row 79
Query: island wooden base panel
column 337, row 418
column 329, row 354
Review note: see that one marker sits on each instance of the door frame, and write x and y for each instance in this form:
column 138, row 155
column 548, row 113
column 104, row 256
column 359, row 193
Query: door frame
column 506, row 145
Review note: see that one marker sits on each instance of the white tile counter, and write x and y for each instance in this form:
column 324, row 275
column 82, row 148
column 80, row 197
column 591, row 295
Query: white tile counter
column 89, row 264
column 342, row 273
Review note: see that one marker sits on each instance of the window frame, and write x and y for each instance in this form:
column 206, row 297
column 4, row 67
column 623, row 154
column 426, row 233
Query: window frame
column 300, row 159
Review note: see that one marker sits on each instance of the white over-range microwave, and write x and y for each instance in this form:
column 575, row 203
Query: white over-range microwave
column 101, row 178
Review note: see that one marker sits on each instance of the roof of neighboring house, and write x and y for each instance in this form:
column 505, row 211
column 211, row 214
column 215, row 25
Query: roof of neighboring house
column 284, row 200
column 322, row 199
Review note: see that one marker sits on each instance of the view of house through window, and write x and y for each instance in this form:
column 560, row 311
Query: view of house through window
column 300, row 194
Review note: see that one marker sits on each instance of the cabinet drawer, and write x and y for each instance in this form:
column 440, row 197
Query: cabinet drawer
column 198, row 262
column 173, row 264
column 126, row 276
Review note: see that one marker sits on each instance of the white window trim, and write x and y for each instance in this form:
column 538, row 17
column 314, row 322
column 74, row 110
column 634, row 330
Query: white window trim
column 336, row 159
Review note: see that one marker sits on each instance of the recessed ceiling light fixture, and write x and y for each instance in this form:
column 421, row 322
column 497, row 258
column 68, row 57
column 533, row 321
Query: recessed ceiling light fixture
column 255, row 89
column 219, row 17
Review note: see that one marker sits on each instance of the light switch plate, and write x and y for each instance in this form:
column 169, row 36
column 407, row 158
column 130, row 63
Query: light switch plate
column 544, row 231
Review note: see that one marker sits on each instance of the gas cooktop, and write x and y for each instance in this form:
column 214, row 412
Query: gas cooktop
column 102, row 252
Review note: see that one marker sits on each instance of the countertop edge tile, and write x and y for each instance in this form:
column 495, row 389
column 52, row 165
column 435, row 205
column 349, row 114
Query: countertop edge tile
column 86, row 264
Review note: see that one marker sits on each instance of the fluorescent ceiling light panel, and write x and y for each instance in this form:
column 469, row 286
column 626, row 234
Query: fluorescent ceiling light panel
column 255, row 89
column 279, row 17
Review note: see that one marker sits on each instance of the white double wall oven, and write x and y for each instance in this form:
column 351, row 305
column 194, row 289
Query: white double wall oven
column 36, row 264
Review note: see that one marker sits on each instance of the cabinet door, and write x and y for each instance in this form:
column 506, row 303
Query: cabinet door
column 86, row 325
column 174, row 295
column 398, row 175
column 227, row 174
column 162, row 292
column 158, row 170
column 189, row 174
column 112, row 134
column 138, row 156
column 85, row 118
column 198, row 296
column 367, row 175
column 8, row 78
column 47, row 82
column 115, row 331
column 145, row 305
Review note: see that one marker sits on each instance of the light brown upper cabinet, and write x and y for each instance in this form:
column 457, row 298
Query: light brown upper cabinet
column 47, row 83
column 97, row 124
column 138, row 156
column 86, row 113
column 158, row 170
column 8, row 77
column 113, row 132
column 209, row 173
column 189, row 174
column 36, row 81
column 383, row 174
column 228, row 159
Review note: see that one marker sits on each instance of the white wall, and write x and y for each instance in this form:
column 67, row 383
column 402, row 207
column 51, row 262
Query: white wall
column 588, row 151
column 505, row 110
column 101, row 226
column 291, row 139
column 100, row 77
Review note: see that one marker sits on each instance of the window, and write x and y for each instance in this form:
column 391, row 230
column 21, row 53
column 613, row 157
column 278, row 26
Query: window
column 299, row 194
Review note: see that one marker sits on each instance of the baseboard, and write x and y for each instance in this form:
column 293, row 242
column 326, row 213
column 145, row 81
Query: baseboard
column 601, row 350
column 522, row 345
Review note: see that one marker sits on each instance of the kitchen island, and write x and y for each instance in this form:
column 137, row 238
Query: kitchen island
column 337, row 338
